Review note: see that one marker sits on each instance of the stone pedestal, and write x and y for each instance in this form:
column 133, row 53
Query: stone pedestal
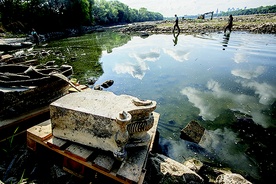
column 103, row 120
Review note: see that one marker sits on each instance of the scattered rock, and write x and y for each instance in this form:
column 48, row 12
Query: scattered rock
column 98, row 87
column 91, row 80
column 193, row 164
column 162, row 169
column 57, row 172
column 6, row 57
column 192, row 132
column 107, row 83
column 231, row 179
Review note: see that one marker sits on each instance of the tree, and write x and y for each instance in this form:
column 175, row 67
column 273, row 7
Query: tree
column 54, row 15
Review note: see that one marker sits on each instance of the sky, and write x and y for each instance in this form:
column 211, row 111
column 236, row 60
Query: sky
column 168, row 8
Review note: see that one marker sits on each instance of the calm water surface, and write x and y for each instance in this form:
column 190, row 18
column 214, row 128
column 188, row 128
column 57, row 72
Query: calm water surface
column 226, row 84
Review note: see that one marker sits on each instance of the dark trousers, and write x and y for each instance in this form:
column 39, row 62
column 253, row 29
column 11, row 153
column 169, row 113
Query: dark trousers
column 229, row 27
column 176, row 26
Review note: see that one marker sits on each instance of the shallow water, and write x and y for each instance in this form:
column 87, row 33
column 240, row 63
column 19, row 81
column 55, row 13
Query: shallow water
column 222, row 82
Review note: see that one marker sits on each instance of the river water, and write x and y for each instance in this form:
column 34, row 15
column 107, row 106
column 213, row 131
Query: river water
column 225, row 83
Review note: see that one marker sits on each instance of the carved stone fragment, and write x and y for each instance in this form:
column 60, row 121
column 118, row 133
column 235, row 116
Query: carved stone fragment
column 103, row 120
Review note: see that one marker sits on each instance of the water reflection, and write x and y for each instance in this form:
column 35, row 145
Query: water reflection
column 226, row 38
column 137, row 66
column 175, row 40
column 180, row 55
column 87, row 51
column 265, row 91
column 213, row 101
column 249, row 73
column 152, row 55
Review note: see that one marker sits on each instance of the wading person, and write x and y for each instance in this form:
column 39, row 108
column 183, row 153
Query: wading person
column 229, row 25
column 35, row 36
column 176, row 24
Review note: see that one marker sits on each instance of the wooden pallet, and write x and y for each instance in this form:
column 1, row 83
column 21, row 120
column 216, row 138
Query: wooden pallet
column 78, row 158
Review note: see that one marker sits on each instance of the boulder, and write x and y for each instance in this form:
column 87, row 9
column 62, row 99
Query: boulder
column 193, row 164
column 231, row 179
column 162, row 169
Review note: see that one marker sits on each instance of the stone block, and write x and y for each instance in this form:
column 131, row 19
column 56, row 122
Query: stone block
column 103, row 120
column 192, row 132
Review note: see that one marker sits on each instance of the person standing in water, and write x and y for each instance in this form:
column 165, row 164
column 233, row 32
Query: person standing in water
column 230, row 24
column 176, row 24
column 35, row 36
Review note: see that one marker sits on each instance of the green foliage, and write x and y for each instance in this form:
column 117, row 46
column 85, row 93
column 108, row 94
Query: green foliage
column 116, row 12
column 259, row 10
column 10, row 147
column 22, row 179
column 53, row 15
column 76, row 13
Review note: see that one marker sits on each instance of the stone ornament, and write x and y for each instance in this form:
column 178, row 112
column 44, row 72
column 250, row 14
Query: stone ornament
column 103, row 120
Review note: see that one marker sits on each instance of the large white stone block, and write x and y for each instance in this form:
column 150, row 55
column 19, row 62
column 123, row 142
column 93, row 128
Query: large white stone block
column 103, row 120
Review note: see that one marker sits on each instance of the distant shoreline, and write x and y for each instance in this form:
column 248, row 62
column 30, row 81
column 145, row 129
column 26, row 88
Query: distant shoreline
column 257, row 23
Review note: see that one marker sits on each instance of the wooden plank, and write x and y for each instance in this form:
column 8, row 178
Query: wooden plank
column 71, row 172
column 23, row 117
column 131, row 168
column 142, row 177
column 31, row 143
column 57, row 143
column 78, row 151
column 41, row 132
column 104, row 161
column 153, row 130
column 73, row 167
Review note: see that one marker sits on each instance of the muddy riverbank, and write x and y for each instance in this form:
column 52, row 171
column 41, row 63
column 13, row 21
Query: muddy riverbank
column 257, row 23
column 260, row 23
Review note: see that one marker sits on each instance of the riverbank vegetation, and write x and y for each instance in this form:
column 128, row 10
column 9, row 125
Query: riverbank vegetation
column 250, row 11
column 19, row 17
column 45, row 16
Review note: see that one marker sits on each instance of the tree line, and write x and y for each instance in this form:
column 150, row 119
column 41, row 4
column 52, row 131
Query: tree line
column 259, row 10
column 19, row 16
